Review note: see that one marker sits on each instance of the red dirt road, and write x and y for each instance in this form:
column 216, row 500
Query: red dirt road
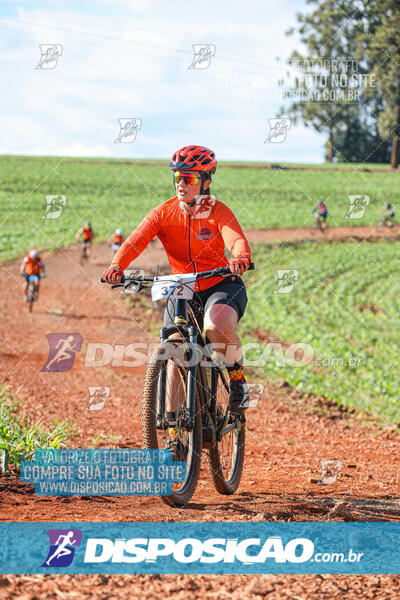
column 332, row 234
column 286, row 440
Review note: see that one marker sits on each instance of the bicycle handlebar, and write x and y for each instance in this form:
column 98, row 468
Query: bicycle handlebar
column 201, row 274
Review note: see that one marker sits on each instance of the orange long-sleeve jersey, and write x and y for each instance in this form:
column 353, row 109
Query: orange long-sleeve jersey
column 32, row 266
column 87, row 233
column 193, row 242
column 117, row 238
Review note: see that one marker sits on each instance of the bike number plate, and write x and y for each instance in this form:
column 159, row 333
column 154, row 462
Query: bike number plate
column 177, row 286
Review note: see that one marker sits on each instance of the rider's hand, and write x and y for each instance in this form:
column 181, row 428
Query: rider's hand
column 113, row 275
column 239, row 265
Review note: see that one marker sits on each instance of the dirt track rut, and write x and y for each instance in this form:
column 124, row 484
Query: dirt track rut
column 285, row 443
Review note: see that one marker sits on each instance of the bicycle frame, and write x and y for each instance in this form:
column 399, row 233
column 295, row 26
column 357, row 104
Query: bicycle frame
column 197, row 377
column 189, row 333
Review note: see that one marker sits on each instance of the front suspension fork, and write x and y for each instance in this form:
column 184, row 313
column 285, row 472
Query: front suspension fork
column 191, row 384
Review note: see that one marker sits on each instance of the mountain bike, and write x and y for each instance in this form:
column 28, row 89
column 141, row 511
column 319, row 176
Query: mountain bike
column 185, row 372
column 386, row 220
column 32, row 290
column 115, row 247
column 85, row 253
column 319, row 222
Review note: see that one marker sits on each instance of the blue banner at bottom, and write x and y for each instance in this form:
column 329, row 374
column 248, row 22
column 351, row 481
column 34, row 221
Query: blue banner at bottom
column 213, row 548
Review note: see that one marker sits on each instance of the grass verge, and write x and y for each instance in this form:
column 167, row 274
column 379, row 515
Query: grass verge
column 340, row 304
column 120, row 193
column 20, row 438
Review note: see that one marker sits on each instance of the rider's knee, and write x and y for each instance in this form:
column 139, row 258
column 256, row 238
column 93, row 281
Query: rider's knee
column 217, row 328
column 220, row 318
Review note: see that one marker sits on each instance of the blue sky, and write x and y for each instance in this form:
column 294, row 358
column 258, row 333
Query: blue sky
column 130, row 59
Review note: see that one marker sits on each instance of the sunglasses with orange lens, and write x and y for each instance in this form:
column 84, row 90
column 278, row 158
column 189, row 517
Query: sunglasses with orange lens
column 188, row 178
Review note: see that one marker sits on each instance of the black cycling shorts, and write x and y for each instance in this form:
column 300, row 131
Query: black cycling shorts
column 230, row 291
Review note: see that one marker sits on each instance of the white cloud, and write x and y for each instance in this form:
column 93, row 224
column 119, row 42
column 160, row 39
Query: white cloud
column 134, row 63
column 76, row 149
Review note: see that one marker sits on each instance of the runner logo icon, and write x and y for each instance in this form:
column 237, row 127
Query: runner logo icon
column 203, row 54
column 286, row 280
column 128, row 130
column 357, row 205
column 98, row 396
column 278, row 129
column 61, row 552
column 55, row 205
column 50, row 54
column 63, row 347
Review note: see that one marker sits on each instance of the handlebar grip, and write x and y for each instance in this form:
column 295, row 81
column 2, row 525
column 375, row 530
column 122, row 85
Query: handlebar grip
column 122, row 280
column 251, row 267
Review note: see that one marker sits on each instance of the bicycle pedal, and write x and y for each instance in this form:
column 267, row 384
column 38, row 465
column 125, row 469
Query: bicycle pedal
column 237, row 418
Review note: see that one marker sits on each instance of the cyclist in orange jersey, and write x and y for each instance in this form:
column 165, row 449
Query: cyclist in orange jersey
column 87, row 234
column 194, row 229
column 116, row 239
column 32, row 266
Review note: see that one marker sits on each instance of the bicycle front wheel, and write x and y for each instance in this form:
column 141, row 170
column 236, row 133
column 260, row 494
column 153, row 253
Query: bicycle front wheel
column 165, row 387
column 30, row 295
column 226, row 456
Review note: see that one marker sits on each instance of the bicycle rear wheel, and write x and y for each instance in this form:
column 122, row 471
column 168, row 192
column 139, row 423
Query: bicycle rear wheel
column 30, row 296
column 84, row 255
column 226, row 456
column 156, row 393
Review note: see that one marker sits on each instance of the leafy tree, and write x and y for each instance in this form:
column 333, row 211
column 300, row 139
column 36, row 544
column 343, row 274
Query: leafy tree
column 381, row 42
column 328, row 35
column 339, row 102
column 357, row 138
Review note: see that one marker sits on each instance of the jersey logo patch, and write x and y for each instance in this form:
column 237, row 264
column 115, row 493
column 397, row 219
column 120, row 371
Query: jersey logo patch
column 205, row 234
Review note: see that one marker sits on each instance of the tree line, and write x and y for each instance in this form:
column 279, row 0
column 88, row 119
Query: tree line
column 346, row 80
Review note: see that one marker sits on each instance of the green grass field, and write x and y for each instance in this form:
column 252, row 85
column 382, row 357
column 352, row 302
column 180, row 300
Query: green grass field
column 345, row 305
column 118, row 194
column 20, row 438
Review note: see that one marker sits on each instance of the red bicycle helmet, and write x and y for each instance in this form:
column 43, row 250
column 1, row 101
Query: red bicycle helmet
column 194, row 158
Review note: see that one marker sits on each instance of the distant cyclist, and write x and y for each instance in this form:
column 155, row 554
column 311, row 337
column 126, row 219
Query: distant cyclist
column 87, row 234
column 320, row 213
column 194, row 229
column 387, row 215
column 117, row 239
column 32, row 268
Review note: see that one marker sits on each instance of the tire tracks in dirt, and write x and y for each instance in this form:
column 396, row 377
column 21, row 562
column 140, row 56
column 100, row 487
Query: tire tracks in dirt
column 285, row 441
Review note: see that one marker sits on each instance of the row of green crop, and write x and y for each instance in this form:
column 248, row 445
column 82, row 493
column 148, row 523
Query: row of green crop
column 344, row 309
column 113, row 194
column 20, row 438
